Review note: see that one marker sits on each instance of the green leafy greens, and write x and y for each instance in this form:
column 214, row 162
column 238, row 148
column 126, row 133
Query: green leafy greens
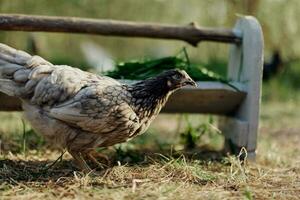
column 145, row 68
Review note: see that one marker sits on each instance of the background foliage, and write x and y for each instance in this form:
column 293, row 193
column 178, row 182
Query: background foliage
column 279, row 20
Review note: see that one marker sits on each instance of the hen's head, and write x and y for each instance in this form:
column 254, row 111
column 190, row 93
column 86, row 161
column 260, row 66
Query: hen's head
column 162, row 84
column 176, row 78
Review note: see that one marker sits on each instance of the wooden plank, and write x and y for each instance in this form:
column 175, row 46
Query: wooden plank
column 8, row 103
column 208, row 97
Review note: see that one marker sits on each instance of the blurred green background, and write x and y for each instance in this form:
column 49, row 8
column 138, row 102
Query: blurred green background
column 278, row 18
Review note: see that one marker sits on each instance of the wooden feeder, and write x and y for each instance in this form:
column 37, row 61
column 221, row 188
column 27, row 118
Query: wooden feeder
column 238, row 109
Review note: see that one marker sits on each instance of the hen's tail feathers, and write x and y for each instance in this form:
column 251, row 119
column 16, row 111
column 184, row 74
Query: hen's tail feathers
column 9, row 55
column 16, row 70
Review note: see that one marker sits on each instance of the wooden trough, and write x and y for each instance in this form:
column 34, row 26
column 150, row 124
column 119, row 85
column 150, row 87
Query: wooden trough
column 238, row 108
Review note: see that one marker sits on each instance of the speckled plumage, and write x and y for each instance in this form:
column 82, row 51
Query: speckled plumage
column 79, row 110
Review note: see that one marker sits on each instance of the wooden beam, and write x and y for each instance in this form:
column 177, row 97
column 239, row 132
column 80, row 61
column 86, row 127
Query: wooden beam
column 191, row 33
column 208, row 97
column 8, row 103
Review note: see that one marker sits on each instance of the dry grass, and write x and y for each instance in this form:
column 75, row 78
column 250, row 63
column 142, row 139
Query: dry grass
column 164, row 174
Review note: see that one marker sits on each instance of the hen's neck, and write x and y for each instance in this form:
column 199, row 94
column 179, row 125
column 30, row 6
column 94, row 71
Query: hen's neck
column 149, row 96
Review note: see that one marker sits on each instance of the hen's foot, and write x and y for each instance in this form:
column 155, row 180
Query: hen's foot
column 99, row 159
column 80, row 161
column 86, row 160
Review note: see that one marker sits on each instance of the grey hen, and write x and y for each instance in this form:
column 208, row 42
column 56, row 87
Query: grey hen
column 78, row 110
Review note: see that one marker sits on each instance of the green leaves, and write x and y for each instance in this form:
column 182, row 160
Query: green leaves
column 143, row 69
column 193, row 134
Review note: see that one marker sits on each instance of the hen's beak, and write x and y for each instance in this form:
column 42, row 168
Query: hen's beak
column 191, row 82
column 188, row 80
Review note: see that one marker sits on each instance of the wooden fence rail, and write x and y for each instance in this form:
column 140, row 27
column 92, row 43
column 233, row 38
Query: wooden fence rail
column 191, row 33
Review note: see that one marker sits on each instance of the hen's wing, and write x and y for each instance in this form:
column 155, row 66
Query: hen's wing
column 87, row 101
column 99, row 109
column 63, row 83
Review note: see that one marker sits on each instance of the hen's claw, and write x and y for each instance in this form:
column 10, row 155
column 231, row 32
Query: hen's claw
column 80, row 161
column 96, row 157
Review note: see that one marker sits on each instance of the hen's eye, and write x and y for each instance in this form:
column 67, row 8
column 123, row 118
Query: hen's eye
column 176, row 77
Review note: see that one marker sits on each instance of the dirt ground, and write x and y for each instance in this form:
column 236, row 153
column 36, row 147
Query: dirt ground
column 144, row 171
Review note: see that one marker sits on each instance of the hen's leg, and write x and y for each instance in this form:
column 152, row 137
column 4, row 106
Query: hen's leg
column 78, row 157
column 97, row 157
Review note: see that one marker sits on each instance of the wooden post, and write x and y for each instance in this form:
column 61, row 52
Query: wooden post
column 245, row 66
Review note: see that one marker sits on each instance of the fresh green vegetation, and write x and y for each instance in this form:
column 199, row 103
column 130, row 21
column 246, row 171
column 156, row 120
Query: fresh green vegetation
column 206, row 132
column 146, row 68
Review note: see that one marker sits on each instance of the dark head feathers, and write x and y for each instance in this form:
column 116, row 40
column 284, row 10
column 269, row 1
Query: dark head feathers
column 163, row 83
